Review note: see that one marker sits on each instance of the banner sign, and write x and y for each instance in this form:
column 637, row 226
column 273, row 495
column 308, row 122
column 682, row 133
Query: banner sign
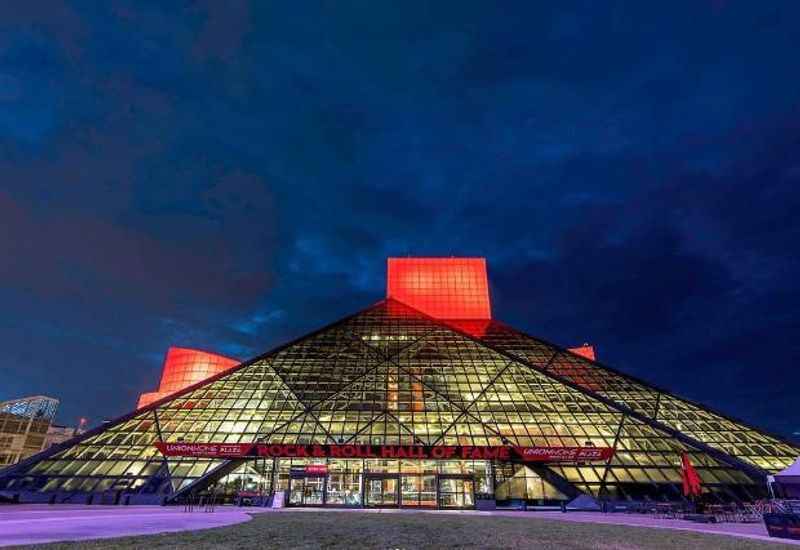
column 207, row 450
column 437, row 452
column 308, row 470
column 564, row 454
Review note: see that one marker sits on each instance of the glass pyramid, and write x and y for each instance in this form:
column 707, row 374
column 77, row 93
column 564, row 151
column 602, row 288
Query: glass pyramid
column 392, row 375
column 713, row 429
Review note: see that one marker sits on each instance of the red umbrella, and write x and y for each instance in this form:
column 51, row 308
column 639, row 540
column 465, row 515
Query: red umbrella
column 691, row 481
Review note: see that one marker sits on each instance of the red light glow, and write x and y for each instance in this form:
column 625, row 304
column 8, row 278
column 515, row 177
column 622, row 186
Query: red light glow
column 585, row 350
column 444, row 288
column 474, row 327
column 184, row 367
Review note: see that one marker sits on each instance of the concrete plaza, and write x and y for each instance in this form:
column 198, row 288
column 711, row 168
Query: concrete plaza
column 39, row 523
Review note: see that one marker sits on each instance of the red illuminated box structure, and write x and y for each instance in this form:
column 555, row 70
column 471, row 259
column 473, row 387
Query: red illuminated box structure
column 184, row 367
column 445, row 288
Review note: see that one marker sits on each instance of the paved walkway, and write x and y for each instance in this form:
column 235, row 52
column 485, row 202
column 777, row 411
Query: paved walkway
column 39, row 523
column 31, row 524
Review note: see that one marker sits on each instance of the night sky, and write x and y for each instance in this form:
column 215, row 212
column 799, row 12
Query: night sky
column 231, row 176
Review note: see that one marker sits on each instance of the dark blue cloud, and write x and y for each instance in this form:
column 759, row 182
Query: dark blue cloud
column 229, row 176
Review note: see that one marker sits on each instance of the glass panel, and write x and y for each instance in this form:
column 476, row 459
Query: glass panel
column 344, row 489
column 382, row 491
column 410, row 487
column 456, row 493
column 427, row 496
column 296, row 492
column 313, row 491
column 469, row 497
column 451, row 500
column 389, row 488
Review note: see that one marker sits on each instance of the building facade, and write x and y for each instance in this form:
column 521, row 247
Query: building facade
column 424, row 402
column 57, row 434
column 23, row 427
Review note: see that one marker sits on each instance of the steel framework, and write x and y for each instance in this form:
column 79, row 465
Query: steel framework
column 392, row 375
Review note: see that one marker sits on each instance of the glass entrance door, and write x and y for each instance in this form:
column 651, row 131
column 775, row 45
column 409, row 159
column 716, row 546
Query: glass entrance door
column 456, row 492
column 344, row 489
column 306, row 491
column 382, row 491
column 418, row 490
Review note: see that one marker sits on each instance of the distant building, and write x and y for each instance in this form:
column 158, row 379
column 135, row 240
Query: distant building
column 24, row 424
column 57, row 434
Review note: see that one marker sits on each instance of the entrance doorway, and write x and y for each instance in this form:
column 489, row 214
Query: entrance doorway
column 418, row 490
column 456, row 492
column 382, row 491
column 344, row 489
column 307, row 491
column 321, row 485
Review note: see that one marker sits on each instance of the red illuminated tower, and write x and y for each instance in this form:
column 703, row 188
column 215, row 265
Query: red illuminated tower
column 184, row 367
column 444, row 288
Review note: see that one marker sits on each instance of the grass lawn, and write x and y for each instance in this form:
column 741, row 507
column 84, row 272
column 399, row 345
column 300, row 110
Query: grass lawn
column 356, row 531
